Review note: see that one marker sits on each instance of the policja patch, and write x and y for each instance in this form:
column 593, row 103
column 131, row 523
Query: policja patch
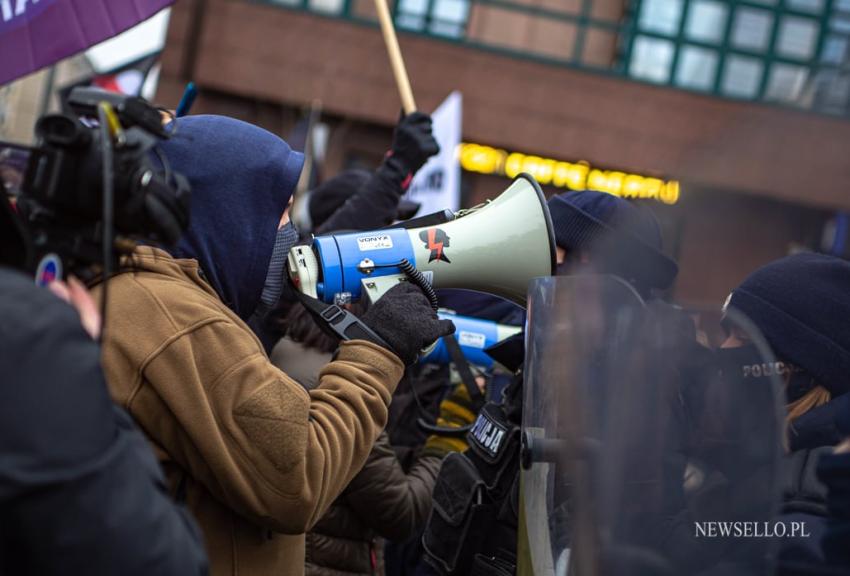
column 487, row 434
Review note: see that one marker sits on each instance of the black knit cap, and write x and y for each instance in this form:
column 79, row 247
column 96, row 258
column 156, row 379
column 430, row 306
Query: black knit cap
column 801, row 304
column 625, row 236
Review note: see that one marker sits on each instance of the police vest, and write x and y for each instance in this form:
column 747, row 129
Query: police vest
column 473, row 524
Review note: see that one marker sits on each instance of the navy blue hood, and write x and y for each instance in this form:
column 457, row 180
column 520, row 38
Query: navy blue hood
column 242, row 178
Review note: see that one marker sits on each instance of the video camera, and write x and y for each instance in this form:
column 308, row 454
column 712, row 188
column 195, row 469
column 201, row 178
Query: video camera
column 92, row 184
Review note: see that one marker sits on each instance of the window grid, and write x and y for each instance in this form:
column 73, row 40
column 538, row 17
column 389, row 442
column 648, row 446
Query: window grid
column 824, row 73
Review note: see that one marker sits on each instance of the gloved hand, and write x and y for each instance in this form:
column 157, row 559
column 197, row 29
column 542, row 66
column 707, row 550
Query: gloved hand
column 405, row 320
column 413, row 144
column 456, row 411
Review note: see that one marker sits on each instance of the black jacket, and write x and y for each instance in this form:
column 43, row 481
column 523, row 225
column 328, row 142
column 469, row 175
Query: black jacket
column 80, row 490
column 373, row 206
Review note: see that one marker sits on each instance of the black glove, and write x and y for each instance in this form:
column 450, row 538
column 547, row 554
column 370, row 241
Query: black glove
column 413, row 143
column 405, row 320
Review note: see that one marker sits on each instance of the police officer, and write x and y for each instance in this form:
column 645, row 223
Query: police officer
column 473, row 525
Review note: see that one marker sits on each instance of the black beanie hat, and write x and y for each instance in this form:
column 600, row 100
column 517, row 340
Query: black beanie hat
column 802, row 306
column 629, row 233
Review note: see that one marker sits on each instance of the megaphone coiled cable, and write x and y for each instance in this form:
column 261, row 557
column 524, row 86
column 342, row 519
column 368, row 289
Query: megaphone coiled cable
column 418, row 278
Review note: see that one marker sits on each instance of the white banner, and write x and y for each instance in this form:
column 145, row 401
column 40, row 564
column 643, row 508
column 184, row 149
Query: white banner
column 437, row 184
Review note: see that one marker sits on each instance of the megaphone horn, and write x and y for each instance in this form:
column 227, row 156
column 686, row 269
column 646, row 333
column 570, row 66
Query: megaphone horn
column 496, row 248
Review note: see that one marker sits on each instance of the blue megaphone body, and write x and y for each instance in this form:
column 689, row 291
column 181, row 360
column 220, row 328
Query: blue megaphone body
column 474, row 336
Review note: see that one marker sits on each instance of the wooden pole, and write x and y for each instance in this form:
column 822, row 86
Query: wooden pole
column 298, row 212
column 396, row 61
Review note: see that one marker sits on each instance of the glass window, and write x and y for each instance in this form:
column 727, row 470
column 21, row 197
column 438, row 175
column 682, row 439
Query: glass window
column 411, row 14
column 660, row 16
column 786, row 82
column 797, row 37
column 706, row 20
column 751, row 29
column 287, row 2
column 651, row 59
column 418, row 7
column 832, row 91
column 453, row 11
column 814, row 6
column 834, row 50
column 742, row 76
column 448, row 17
column 697, row 68
column 327, row 6
column 410, row 21
column 840, row 24
column 841, row 5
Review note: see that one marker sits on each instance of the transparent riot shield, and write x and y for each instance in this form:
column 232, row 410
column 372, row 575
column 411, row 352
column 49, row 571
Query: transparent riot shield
column 649, row 449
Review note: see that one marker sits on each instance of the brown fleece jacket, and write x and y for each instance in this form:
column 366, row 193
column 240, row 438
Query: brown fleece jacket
column 257, row 458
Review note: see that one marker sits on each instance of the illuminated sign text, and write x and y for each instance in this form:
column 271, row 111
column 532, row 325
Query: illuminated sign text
column 569, row 175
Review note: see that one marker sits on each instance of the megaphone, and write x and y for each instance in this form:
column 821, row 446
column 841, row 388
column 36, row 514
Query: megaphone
column 473, row 335
column 497, row 247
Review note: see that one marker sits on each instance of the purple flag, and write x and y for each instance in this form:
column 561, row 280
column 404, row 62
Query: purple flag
column 37, row 33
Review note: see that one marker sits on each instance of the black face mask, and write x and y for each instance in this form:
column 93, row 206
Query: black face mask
column 746, row 365
column 287, row 236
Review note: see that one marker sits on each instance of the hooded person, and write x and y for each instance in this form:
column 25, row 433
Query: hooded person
column 357, row 199
column 255, row 456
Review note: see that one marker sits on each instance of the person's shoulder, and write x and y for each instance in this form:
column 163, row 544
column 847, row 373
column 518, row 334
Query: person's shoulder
column 155, row 288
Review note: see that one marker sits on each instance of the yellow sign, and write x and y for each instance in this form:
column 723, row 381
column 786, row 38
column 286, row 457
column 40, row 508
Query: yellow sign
column 570, row 175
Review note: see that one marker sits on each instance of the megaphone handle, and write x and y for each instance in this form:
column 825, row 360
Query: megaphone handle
column 376, row 287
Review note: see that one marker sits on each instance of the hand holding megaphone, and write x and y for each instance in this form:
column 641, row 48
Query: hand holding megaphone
column 404, row 318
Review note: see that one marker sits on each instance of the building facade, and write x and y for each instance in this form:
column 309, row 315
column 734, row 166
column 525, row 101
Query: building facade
column 728, row 118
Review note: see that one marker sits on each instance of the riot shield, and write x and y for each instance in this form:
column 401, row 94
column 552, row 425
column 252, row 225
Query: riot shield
column 649, row 449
